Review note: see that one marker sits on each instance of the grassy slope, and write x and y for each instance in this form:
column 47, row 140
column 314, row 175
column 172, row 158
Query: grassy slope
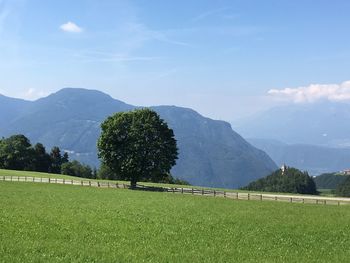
column 58, row 223
column 4, row 172
column 48, row 175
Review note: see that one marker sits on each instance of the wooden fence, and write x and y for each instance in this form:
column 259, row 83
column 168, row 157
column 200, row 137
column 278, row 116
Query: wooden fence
column 186, row 190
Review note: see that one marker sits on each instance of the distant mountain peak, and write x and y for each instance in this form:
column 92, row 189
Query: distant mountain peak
column 80, row 92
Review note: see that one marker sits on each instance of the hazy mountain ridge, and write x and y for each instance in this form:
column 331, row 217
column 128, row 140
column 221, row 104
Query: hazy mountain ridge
column 320, row 123
column 211, row 153
column 315, row 159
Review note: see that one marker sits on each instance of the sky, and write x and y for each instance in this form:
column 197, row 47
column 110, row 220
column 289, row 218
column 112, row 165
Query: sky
column 226, row 59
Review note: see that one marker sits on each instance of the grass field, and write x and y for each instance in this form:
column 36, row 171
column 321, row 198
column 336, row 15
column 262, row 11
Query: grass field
column 4, row 172
column 61, row 223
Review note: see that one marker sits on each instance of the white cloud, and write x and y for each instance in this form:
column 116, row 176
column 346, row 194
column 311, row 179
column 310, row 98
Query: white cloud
column 71, row 27
column 314, row 92
column 33, row 94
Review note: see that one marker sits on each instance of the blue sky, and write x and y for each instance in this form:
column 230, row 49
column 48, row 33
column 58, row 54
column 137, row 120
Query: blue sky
column 226, row 59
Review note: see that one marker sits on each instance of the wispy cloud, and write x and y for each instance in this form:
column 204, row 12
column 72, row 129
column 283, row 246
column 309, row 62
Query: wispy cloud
column 144, row 33
column 99, row 56
column 313, row 93
column 4, row 13
column 209, row 13
column 71, row 27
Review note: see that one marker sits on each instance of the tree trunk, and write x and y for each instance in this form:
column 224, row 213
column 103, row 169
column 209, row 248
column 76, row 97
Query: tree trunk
column 133, row 184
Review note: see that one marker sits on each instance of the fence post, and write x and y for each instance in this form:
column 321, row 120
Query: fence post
column 49, row 179
column 260, row 197
column 303, row 200
column 325, row 202
column 275, row 198
column 248, row 196
column 192, row 191
column 63, row 181
column 89, row 183
column 182, row 190
column 291, row 199
column 108, row 184
column 338, row 203
column 11, row 178
column 214, row 193
column 224, row 194
column 202, row 191
column 33, row 179
column 237, row 195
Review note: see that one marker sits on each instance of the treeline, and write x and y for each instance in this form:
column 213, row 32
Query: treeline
column 343, row 189
column 337, row 183
column 290, row 180
column 17, row 153
column 329, row 180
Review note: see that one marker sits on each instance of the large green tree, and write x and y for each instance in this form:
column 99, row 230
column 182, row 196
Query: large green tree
column 15, row 152
column 137, row 145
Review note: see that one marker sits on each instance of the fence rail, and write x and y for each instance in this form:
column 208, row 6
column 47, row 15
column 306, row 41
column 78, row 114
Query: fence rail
column 185, row 190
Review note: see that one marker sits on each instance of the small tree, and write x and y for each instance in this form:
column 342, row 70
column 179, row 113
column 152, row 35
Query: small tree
column 137, row 145
column 41, row 160
column 56, row 160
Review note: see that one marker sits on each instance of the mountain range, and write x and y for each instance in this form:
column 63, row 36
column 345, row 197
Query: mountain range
column 210, row 152
column 312, row 158
column 311, row 136
column 323, row 123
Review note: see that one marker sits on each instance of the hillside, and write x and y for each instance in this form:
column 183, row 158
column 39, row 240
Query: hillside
column 329, row 180
column 312, row 158
column 211, row 153
column 285, row 180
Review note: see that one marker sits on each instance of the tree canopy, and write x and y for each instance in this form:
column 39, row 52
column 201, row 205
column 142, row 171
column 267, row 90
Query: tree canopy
column 290, row 181
column 343, row 189
column 17, row 153
column 329, row 180
column 137, row 145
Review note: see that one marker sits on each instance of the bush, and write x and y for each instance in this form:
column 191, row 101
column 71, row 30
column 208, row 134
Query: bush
column 75, row 168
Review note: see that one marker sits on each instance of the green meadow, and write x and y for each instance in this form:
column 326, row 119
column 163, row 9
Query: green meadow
column 64, row 223
column 15, row 173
